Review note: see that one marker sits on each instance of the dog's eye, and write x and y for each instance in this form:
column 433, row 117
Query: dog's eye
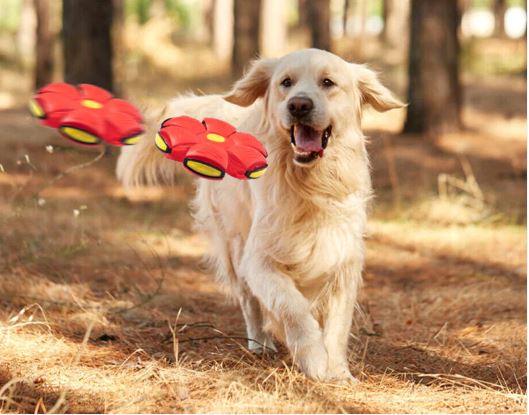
column 287, row 82
column 327, row 83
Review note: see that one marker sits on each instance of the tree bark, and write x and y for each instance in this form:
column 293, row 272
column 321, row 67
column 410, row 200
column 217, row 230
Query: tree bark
column 207, row 7
column 25, row 37
column 499, row 7
column 345, row 16
column 319, row 14
column 246, row 33
column 303, row 13
column 87, row 40
column 396, row 15
column 223, row 28
column 434, row 90
column 118, row 46
column 273, row 28
column 43, row 44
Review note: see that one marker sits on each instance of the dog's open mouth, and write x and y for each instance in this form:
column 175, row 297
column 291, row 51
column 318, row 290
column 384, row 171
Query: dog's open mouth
column 308, row 143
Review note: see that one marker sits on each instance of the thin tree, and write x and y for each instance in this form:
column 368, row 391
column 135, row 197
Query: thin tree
column 499, row 8
column 319, row 15
column 43, row 43
column 273, row 28
column 87, row 40
column 118, row 45
column 207, row 19
column 395, row 16
column 25, row 36
column 246, row 33
column 345, row 16
column 223, row 28
column 434, row 90
column 303, row 14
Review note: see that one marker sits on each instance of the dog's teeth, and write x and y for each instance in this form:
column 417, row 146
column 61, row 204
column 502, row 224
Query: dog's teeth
column 301, row 153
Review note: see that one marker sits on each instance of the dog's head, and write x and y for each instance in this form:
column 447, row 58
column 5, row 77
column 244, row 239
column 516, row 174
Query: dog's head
column 312, row 97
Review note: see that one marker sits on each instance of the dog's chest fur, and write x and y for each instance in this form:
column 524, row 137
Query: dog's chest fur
column 309, row 228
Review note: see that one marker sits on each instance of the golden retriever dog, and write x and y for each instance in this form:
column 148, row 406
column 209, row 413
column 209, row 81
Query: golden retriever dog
column 289, row 246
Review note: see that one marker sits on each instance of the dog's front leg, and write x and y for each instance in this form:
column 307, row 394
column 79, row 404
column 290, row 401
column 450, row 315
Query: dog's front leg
column 278, row 294
column 338, row 319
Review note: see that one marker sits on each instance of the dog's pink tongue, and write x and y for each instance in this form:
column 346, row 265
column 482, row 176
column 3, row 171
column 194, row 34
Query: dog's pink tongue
column 308, row 139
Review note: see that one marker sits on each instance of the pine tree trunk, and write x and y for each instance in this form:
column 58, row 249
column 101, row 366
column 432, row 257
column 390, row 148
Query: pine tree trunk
column 303, row 13
column 223, row 28
column 118, row 46
column 246, row 33
column 319, row 14
column 396, row 15
column 499, row 7
column 434, row 90
column 43, row 44
column 345, row 16
column 87, row 40
column 206, row 33
column 273, row 28
column 25, row 37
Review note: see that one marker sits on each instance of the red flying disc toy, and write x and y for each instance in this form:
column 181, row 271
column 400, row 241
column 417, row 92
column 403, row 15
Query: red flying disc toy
column 87, row 114
column 212, row 148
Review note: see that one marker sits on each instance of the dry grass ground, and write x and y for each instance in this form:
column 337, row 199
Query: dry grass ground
column 105, row 306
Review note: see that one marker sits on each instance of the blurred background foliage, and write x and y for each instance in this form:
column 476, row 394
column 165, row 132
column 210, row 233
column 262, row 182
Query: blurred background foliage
column 465, row 72
column 152, row 35
column 467, row 58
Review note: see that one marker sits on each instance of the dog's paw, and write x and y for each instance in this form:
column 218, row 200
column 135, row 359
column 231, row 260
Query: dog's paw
column 341, row 375
column 261, row 346
column 312, row 360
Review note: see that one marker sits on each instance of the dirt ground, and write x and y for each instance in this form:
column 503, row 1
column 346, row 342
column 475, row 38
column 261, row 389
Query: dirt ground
column 105, row 305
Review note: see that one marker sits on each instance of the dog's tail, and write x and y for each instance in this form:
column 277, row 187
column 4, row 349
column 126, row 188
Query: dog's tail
column 143, row 163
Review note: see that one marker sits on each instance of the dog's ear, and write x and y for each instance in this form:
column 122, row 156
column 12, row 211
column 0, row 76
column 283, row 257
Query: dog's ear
column 253, row 84
column 373, row 92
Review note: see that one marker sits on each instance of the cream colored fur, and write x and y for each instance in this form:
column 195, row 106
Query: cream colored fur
column 289, row 246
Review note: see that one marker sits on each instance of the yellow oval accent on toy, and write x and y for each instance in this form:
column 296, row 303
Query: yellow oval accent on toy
column 36, row 109
column 215, row 137
column 79, row 135
column 89, row 103
column 132, row 140
column 257, row 173
column 158, row 140
column 203, row 169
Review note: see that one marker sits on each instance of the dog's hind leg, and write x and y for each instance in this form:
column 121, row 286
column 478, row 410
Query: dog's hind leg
column 227, row 255
column 226, row 251
column 258, row 340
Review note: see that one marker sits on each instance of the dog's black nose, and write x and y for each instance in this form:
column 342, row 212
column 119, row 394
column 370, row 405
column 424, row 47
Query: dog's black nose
column 300, row 106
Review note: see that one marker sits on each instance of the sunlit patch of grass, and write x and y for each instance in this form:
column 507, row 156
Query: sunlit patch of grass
column 136, row 382
column 134, row 372
column 448, row 212
column 163, row 244
column 501, row 243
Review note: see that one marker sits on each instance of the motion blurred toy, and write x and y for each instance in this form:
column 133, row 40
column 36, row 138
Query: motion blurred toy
column 87, row 114
column 90, row 115
column 212, row 148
